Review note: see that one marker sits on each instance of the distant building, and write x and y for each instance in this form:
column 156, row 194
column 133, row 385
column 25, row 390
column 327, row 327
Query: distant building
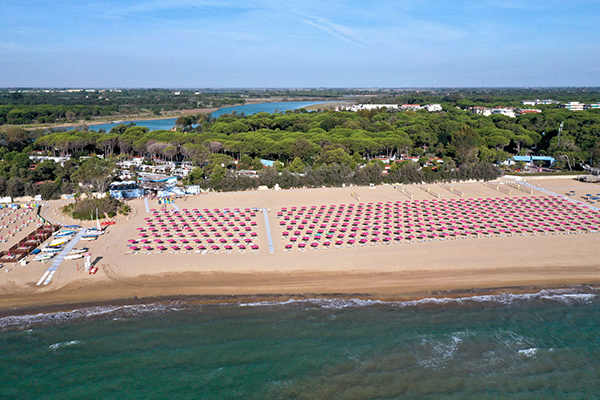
column 57, row 160
column 480, row 110
column 267, row 163
column 411, row 107
column 358, row 107
column 433, row 107
column 528, row 111
column 538, row 101
column 573, row 106
column 508, row 111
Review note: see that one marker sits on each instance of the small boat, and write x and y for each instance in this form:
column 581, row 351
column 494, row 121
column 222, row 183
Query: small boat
column 51, row 249
column 73, row 226
column 63, row 233
column 77, row 251
column 93, row 270
column 89, row 237
column 57, row 242
column 73, row 256
column 43, row 257
column 94, row 231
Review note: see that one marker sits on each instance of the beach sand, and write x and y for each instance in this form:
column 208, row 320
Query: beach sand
column 396, row 271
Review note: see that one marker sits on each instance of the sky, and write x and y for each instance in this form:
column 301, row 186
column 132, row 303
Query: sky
column 299, row 44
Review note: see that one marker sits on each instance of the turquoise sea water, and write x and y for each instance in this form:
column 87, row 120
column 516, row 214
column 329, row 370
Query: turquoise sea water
column 540, row 346
column 248, row 109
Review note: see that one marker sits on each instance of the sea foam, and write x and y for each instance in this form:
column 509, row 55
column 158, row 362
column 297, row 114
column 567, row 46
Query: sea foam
column 567, row 296
column 558, row 295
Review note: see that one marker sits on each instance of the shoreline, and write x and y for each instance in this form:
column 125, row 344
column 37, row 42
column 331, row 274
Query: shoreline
column 419, row 299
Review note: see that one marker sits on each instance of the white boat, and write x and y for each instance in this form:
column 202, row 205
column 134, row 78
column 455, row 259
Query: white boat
column 43, row 257
column 73, row 256
column 77, row 251
column 94, row 231
column 64, row 234
column 51, row 249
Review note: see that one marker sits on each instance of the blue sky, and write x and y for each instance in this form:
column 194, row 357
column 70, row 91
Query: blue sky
column 308, row 43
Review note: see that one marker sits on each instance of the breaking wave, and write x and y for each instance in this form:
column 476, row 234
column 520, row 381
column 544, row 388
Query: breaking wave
column 565, row 296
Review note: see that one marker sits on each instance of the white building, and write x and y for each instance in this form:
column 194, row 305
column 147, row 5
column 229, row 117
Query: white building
column 508, row 111
column 433, row 107
column 573, row 106
column 358, row 107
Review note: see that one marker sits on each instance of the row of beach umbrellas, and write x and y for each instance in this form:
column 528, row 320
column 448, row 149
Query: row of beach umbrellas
column 389, row 222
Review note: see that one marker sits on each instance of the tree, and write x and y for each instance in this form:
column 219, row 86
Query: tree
column 49, row 190
column 465, row 144
column 94, row 174
column 15, row 187
column 297, row 166
column 45, row 171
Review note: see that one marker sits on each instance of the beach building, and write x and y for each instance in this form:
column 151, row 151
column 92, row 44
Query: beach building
column 125, row 190
column 530, row 159
column 160, row 185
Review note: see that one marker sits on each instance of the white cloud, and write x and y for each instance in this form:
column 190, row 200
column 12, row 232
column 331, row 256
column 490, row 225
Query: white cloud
column 336, row 30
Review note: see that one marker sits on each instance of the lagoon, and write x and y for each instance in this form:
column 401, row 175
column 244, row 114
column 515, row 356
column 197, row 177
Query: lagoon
column 247, row 109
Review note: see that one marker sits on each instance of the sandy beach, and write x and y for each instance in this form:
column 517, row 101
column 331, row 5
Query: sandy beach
column 456, row 264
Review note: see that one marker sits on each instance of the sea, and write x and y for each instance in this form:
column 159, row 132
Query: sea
column 247, row 109
column 544, row 345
